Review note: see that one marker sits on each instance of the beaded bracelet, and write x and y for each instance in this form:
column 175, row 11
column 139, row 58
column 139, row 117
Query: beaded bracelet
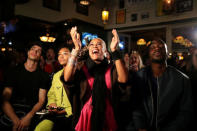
column 71, row 61
column 74, row 52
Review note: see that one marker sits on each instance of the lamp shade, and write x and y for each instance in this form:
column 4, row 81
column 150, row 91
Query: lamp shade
column 47, row 38
column 179, row 39
column 105, row 16
column 141, row 42
column 84, row 2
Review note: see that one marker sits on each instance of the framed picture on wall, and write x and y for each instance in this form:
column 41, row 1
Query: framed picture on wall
column 184, row 5
column 121, row 16
column 52, row 4
column 145, row 15
column 134, row 17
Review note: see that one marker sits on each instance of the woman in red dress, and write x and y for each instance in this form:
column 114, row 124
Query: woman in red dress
column 96, row 81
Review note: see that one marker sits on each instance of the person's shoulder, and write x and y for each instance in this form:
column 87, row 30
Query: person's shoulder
column 178, row 73
column 16, row 69
column 42, row 73
column 59, row 73
column 143, row 71
column 81, row 70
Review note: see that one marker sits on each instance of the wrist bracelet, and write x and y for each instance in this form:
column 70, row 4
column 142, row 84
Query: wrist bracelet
column 74, row 52
column 71, row 61
column 116, row 55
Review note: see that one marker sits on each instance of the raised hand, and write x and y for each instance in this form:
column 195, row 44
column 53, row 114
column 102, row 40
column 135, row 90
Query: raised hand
column 115, row 40
column 76, row 38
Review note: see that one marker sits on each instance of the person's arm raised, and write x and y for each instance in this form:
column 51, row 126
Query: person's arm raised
column 120, row 67
column 70, row 67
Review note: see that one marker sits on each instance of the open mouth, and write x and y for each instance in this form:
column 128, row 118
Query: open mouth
column 157, row 53
column 95, row 51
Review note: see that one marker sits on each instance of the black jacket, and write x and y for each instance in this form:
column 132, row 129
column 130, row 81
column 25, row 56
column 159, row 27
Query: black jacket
column 174, row 103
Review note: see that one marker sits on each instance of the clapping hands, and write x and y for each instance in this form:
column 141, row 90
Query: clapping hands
column 115, row 40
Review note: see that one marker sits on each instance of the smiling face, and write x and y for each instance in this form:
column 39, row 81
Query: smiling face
column 96, row 49
column 63, row 56
column 157, row 51
column 34, row 53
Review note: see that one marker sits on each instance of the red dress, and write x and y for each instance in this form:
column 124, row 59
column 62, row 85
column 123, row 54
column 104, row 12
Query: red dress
column 84, row 123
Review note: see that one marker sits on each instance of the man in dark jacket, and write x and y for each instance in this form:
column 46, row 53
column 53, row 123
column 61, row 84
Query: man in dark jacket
column 162, row 100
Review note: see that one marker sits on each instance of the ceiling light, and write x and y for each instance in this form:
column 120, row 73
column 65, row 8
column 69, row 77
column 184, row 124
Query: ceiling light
column 65, row 24
column 141, row 42
column 84, row 2
column 3, row 49
column 10, row 43
column 47, row 38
